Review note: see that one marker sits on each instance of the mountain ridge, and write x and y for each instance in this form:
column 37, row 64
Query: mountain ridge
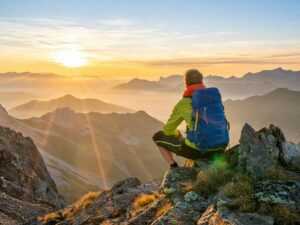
column 231, row 87
column 74, row 103
column 77, row 138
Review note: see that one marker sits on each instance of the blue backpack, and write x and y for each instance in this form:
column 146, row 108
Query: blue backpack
column 210, row 125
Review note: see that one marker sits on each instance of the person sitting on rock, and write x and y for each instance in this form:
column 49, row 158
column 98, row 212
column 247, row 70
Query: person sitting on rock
column 169, row 140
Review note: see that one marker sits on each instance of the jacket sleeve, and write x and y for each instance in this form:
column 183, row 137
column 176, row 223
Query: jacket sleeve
column 170, row 128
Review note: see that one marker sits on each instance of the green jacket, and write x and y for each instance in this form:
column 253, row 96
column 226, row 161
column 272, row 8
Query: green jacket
column 181, row 112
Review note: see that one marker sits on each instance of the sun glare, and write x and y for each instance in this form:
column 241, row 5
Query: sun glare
column 70, row 58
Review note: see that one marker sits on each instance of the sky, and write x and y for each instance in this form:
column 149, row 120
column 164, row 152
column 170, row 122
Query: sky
column 137, row 38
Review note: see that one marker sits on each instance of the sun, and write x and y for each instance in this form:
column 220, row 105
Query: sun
column 70, row 58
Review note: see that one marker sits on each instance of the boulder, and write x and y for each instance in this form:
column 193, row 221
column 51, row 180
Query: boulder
column 181, row 213
column 278, row 192
column 290, row 155
column 258, row 152
column 113, row 206
column 215, row 216
column 174, row 181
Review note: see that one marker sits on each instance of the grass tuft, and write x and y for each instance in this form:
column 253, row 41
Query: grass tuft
column 163, row 209
column 208, row 181
column 240, row 189
column 282, row 214
column 144, row 200
column 71, row 211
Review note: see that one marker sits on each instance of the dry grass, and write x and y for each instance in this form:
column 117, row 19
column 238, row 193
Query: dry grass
column 106, row 222
column 282, row 214
column 209, row 181
column 285, row 216
column 163, row 209
column 49, row 217
column 277, row 174
column 144, row 200
column 186, row 188
column 74, row 209
column 240, row 188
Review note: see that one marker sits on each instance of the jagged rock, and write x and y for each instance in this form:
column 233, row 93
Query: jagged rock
column 191, row 196
column 26, row 188
column 175, row 180
column 112, row 207
column 181, row 213
column 214, row 216
column 122, row 185
column 290, row 155
column 146, row 216
column 258, row 152
column 278, row 192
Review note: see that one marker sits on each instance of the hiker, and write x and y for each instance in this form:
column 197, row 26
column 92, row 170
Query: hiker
column 207, row 128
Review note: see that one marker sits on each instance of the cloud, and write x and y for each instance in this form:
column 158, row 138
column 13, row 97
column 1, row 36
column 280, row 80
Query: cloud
column 131, row 41
column 117, row 22
column 288, row 58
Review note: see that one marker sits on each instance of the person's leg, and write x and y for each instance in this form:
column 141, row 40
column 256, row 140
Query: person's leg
column 168, row 156
column 167, row 145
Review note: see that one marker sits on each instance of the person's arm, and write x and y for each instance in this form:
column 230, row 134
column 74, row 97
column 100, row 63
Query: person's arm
column 170, row 128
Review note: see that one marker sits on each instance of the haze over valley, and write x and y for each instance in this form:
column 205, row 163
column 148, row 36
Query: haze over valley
column 95, row 134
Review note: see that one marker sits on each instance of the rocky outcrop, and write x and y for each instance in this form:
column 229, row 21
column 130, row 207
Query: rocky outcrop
column 290, row 155
column 258, row 152
column 224, row 216
column 26, row 188
column 285, row 192
column 250, row 184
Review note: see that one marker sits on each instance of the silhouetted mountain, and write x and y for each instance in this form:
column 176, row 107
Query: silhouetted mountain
column 232, row 87
column 26, row 188
column 141, row 84
column 27, row 74
column 281, row 107
column 38, row 108
column 170, row 80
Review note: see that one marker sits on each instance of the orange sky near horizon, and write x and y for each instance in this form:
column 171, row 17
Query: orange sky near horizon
column 127, row 70
column 125, row 48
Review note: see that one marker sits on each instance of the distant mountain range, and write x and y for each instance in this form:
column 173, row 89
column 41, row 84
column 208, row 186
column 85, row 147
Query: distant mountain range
column 86, row 149
column 232, row 87
column 36, row 108
column 10, row 99
column 163, row 84
column 280, row 107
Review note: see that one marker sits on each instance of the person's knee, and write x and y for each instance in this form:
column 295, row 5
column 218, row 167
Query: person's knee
column 158, row 136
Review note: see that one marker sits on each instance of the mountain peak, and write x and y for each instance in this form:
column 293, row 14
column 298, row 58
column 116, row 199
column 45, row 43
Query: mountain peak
column 69, row 97
column 5, row 118
column 3, row 111
column 279, row 69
